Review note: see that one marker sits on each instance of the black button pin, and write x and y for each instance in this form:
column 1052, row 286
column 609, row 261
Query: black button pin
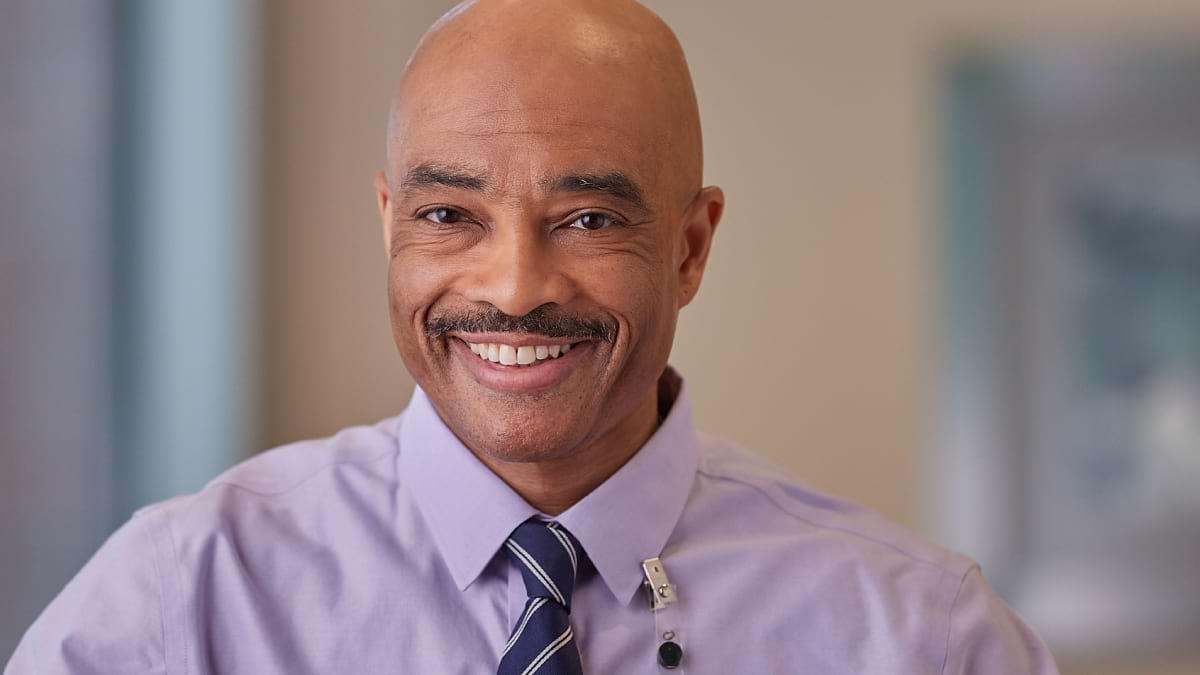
column 670, row 654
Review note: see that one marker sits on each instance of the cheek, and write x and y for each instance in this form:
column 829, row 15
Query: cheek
column 401, row 310
column 657, row 308
column 413, row 285
column 639, row 289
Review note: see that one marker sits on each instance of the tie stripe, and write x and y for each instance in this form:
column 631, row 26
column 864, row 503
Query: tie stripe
column 542, row 642
column 548, row 652
column 537, row 570
column 529, row 610
column 562, row 538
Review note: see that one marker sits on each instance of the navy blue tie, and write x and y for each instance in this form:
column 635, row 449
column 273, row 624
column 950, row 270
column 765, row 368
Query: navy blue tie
column 542, row 641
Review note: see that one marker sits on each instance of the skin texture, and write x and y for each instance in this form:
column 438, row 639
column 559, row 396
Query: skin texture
column 516, row 127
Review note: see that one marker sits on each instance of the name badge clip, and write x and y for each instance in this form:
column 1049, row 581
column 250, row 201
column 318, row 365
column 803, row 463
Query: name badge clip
column 658, row 586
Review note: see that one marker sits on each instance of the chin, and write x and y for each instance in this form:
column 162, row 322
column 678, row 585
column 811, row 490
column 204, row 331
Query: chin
column 524, row 439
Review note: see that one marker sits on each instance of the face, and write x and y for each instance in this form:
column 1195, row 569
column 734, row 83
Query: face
column 540, row 247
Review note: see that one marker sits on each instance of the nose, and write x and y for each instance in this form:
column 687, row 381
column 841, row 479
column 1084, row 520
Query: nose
column 518, row 272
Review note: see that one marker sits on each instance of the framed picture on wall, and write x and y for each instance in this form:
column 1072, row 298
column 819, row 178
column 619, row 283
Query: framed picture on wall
column 1068, row 411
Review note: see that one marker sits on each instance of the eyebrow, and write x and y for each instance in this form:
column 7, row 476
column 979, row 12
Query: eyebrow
column 438, row 175
column 614, row 183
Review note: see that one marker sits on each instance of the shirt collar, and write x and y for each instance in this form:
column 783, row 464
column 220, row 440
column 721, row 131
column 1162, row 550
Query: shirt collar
column 624, row 521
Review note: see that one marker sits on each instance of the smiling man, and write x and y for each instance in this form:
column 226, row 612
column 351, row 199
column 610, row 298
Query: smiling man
column 544, row 504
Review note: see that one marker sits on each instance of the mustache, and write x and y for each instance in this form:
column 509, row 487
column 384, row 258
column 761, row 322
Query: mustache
column 544, row 320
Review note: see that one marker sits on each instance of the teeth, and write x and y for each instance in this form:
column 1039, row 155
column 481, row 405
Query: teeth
column 508, row 355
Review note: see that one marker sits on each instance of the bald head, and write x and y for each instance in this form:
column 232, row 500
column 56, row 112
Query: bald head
column 539, row 66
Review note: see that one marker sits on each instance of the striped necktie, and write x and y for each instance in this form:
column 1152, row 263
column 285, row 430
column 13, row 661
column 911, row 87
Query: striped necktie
column 542, row 642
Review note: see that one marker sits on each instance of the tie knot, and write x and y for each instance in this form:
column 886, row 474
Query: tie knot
column 548, row 557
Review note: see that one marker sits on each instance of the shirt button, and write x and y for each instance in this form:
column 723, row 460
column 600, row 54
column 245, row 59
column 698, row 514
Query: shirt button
column 669, row 655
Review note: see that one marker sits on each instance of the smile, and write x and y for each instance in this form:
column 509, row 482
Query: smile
column 520, row 363
column 525, row 355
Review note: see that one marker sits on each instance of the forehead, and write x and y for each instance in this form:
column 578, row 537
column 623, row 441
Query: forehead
column 530, row 121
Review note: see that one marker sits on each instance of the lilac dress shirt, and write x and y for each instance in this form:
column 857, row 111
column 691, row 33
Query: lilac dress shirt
column 376, row 551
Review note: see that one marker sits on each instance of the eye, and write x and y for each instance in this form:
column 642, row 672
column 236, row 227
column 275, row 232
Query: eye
column 443, row 215
column 593, row 221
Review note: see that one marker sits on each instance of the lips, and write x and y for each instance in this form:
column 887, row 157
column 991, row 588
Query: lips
column 526, row 367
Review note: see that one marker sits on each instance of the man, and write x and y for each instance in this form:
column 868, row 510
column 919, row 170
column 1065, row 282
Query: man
column 545, row 222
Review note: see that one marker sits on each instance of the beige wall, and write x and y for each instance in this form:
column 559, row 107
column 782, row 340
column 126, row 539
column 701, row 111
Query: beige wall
column 811, row 340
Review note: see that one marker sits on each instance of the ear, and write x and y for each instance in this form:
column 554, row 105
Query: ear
column 383, row 197
column 695, row 240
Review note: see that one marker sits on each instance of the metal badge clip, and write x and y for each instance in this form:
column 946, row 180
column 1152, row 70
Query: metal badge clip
column 659, row 587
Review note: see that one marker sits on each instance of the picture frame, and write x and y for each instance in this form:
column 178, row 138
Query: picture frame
column 1067, row 410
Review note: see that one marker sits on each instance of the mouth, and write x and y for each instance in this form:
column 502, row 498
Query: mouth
column 518, row 355
column 519, row 363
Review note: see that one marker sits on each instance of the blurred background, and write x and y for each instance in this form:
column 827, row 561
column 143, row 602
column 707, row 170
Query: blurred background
column 975, row 228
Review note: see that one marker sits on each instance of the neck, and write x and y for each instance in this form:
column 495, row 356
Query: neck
column 554, row 486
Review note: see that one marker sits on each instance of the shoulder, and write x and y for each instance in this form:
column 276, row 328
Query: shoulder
column 792, row 509
column 291, row 476
column 127, row 609
column 288, row 467
column 856, row 582
column 280, row 507
column 279, row 493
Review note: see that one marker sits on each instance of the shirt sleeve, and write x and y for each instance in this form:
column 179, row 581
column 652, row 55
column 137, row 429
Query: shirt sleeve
column 108, row 619
column 988, row 638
